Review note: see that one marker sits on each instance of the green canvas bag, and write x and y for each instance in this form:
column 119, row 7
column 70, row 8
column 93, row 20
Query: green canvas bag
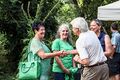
column 30, row 69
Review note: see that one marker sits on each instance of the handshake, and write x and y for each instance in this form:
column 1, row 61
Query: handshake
column 62, row 53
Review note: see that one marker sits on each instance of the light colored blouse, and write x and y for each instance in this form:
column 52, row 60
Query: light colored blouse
column 35, row 46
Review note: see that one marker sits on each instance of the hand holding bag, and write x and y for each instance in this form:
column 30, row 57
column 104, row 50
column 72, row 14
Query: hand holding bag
column 29, row 70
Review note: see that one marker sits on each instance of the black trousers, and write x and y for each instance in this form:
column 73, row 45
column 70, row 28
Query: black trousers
column 77, row 75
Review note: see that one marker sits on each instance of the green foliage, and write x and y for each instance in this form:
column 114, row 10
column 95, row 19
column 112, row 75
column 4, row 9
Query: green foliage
column 66, row 13
column 2, row 44
column 17, row 16
column 88, row 8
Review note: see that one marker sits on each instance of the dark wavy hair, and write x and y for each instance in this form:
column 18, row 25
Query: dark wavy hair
column 37, row 25
column 98, row 22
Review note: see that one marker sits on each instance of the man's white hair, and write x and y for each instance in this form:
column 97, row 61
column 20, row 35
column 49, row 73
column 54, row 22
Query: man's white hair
column 80, row 23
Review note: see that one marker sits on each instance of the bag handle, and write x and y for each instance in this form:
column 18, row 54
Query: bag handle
column 30, row 55
column 28, row 48
column 26, row 52
column 24, row 67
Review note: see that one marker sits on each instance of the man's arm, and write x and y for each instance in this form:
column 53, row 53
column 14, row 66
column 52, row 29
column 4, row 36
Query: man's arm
column 83, row 61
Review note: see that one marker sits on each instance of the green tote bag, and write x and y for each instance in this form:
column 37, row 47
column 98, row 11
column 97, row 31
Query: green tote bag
column 30, row 69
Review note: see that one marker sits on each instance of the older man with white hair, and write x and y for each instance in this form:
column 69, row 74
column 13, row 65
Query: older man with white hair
column 91, row 54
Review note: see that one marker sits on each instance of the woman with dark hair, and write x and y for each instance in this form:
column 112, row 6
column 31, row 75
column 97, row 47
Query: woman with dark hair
column 96, row 26
column 41, row 51
column 115, row 72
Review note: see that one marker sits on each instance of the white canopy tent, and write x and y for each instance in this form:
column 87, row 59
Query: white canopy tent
column 110, row 12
